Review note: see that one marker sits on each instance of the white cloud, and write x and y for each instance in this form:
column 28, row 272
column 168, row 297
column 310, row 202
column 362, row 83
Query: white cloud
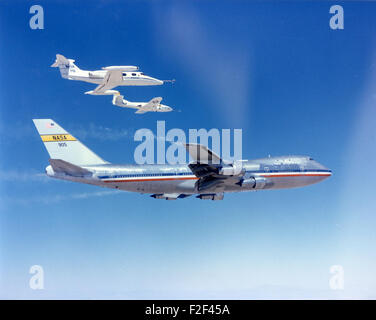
column 55, row 198
column 19, row 176
column 221, row 68
column 18, row 131
column 99, row 132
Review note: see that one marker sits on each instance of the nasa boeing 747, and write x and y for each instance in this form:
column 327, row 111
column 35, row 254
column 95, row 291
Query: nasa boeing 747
column 107, row 78
column 208, row 177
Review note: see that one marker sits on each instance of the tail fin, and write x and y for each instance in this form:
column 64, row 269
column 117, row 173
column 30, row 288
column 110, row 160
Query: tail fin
column 61, row 145
column 66, row 66
column 118, row 100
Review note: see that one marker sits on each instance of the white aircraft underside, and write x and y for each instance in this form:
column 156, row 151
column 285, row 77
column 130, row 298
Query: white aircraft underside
column 208, row 176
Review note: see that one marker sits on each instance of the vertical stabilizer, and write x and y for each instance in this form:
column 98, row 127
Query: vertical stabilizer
column 62, row 145
column 66, row 66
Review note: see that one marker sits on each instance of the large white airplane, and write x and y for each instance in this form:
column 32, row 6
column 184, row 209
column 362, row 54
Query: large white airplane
column 208, row 176
column 154, row 105
column 107, row 78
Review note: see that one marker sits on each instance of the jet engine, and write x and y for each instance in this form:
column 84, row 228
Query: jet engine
column 233, row 169
column 98, row 74
column 163, row 196
column 253, row 183
column 211, row 196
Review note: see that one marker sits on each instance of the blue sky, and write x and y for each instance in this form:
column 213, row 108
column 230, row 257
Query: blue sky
column 274, row 69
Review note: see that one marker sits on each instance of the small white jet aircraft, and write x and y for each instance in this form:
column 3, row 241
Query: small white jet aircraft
column 107, row 78
column 154, row 105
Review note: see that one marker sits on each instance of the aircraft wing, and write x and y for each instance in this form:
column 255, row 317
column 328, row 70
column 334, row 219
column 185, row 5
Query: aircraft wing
column 141, row 111
column 202, row 154
column 155, row 101
column 205, row 162
column 112, row 79
column 212, row 171
column 150, row 105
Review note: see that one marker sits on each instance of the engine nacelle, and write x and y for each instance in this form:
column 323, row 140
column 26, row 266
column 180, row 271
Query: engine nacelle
column 211, row 196
column 233, row 169
column 98, row 74
column 162, row 196
column 254, row 183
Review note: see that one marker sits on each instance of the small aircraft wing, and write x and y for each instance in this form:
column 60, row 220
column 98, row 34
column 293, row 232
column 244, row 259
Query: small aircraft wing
column 141, row 111
column 150, row 105
column 155, row 101
column 112, row 79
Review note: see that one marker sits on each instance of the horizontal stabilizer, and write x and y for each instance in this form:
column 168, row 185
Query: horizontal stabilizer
column 61, row 60
column 61, row 166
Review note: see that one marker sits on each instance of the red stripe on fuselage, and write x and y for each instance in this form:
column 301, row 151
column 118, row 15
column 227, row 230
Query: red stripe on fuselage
column 283, row 175
column 157, row 179
column 297, row 175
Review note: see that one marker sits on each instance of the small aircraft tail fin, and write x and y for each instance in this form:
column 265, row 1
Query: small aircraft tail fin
column 118, row 100
column 66, row 66
column 63, row 146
